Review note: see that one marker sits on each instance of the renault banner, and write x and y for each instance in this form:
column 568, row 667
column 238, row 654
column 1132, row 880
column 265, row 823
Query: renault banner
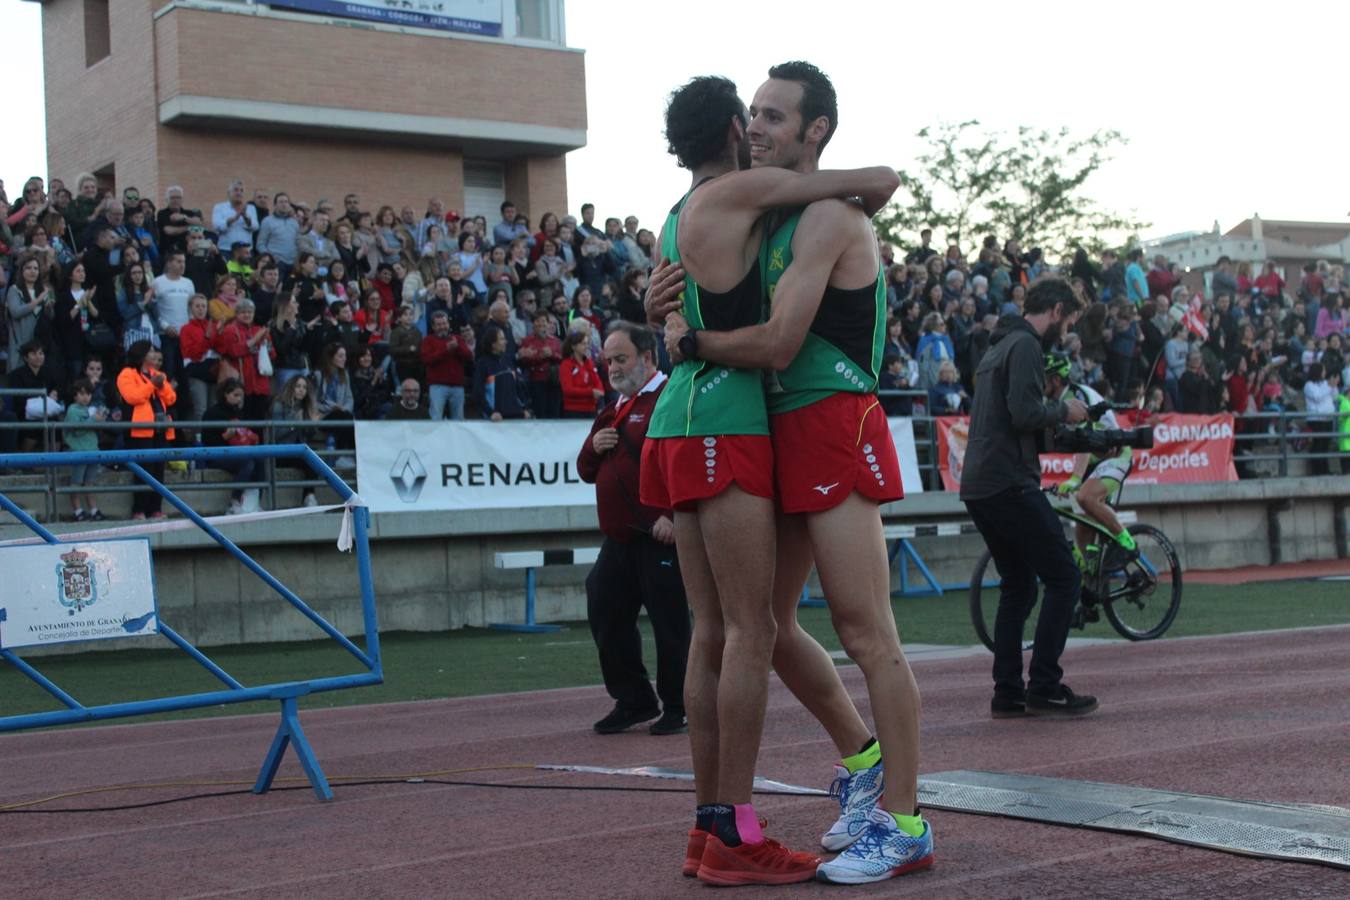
column 417, row 466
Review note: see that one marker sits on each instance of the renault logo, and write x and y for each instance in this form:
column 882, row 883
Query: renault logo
column 408, row 475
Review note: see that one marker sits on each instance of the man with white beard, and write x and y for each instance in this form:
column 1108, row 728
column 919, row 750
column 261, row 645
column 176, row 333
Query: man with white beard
column 637, row 567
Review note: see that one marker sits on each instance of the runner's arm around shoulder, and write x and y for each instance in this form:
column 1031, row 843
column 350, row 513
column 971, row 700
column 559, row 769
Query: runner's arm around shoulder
column 763, row 189
column 821, row 237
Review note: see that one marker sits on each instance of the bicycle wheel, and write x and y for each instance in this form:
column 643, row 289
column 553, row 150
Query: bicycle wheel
column 1143, row 592
column 984, row 623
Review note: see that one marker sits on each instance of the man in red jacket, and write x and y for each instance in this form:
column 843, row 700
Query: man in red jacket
column 637, row 566
column 446, row 357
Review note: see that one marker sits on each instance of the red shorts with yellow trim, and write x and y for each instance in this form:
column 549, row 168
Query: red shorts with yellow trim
column 678, row 472
column 827, row 450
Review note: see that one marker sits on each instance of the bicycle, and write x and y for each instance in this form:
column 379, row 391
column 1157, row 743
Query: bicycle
column 1120, row 583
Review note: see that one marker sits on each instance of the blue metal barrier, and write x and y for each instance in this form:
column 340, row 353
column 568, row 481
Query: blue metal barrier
column 287, row 693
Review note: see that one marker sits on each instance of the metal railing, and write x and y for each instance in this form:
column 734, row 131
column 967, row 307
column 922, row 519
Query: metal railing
column 1272, row 440
column 270, row 482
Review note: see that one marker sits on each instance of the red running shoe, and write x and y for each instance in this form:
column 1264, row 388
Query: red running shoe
column 693, row 853
column 766, row 863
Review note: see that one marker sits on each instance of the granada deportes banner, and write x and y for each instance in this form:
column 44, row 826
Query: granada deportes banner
column 469, row 16
column 1186, row 448
column 419, row 466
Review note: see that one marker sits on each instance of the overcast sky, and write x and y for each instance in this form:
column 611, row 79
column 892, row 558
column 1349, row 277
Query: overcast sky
column 1230, row 109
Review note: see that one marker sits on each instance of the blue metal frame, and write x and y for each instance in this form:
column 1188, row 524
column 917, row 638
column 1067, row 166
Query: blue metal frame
column 907, row 554
column 529, row 626
column 287, row 693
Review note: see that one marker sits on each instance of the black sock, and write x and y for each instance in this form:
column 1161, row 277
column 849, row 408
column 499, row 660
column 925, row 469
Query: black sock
column 703, row 816
column 724, row 825
column 868, row 746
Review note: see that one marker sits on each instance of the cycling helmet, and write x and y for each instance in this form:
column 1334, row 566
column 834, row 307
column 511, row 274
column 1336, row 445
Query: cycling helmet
column 1057, row 363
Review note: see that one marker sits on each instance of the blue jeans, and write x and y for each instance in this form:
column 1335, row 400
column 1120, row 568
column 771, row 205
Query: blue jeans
column 440, row 395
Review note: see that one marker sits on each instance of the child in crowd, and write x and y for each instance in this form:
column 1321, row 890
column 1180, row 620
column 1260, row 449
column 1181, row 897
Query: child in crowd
column 83, row 440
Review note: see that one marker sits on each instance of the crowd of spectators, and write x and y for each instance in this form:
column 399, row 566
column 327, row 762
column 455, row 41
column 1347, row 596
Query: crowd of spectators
column 1250, row 343
column 381, row 314
column 327, row 313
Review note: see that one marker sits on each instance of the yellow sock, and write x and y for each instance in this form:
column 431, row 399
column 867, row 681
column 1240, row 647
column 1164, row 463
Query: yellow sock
column 864, row 759
column 910, row 825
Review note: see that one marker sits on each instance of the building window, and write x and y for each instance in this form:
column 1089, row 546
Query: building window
column 97, row 36
column 536, row 19
column 484, row 189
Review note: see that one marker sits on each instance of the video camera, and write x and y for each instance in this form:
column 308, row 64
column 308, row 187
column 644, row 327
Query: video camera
column 1101, row 441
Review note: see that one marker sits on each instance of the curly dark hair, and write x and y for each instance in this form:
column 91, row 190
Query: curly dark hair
column 818, row 96
column 696, row 119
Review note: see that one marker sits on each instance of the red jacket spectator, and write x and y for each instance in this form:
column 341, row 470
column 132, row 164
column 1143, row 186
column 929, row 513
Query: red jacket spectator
column 1161, row 282
column 615, row 473
column 381, row 328
column 196, row 339
column 538, row 355
column 232, row 345
column 445, row 359
column 579, row 380
column 387, row 299
column 1270, row 284
column 139, row 392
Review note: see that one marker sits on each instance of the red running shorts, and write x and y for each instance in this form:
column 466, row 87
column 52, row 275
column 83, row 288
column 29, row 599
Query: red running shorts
column 678, row 472
column 827, row 450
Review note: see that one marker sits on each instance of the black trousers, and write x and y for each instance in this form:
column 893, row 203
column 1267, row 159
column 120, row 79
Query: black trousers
column 147, row 502
column 1027, row 541
column 642, row 573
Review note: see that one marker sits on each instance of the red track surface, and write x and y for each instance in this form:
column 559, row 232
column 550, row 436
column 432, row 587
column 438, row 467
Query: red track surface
column 1253, row 717
column 1317, row 568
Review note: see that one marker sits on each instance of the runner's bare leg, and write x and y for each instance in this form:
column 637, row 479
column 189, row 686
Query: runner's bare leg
column 738, row 537
column 704, row 664
column 850, row 554
column 801, row 663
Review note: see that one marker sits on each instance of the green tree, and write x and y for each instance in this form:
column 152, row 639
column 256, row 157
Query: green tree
column 1029, row 186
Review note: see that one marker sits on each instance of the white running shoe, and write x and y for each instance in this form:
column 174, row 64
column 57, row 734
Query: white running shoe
column 310, row 500
column 236, row 508
column 883, row 851
column 859, row 793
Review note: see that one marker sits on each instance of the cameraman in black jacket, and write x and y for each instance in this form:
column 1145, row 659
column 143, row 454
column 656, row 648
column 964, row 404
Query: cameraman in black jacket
column 1001, row 487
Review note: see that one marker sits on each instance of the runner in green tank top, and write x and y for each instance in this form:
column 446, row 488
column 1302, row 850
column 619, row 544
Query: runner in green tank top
column 828, row 428
column 708, row 457
column 842, row 350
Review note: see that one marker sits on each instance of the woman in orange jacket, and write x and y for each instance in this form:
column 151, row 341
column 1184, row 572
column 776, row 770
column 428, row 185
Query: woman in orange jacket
column 149, row 393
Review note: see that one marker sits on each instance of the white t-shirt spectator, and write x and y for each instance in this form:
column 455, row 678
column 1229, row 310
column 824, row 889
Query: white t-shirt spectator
column 171, row 298
column 239, row 230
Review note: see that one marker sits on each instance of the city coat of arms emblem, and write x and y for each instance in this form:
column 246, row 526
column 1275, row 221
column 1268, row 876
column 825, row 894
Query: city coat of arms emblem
column 75, row 586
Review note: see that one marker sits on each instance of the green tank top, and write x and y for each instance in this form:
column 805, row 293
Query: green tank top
column 843, row 348
column 703, row 398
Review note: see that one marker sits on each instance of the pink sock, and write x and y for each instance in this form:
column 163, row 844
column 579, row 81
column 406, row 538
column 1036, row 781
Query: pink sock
column 747, row 824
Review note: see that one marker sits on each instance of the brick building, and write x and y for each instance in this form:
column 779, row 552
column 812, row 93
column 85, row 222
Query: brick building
column 477, row 101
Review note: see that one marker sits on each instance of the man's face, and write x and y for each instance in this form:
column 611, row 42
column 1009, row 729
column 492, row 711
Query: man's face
column 410, row 393
column 443, row 288
column 774, row 134
column 115, row 215
column 352, row 202
column 588, row 214
column 509, row 214
column 560, row 306
column 270, row 278
column 501, row 313
column 630, row 225
column 130, row 197
column 407, row 216
column 543, row 326
column 89, row 190
column 564, row 235
column 237, row 194
column 35, row 358
column 93, row 370
column 261, row 200
column 283, row 204
column 436, row 208
column 628, row 371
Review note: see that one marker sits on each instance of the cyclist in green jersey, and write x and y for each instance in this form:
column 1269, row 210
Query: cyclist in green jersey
column 827, row 366
column 707, row 456
column 1096, row 481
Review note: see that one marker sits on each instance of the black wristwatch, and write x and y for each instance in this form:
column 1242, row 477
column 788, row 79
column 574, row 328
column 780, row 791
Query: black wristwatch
column 689, row 344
